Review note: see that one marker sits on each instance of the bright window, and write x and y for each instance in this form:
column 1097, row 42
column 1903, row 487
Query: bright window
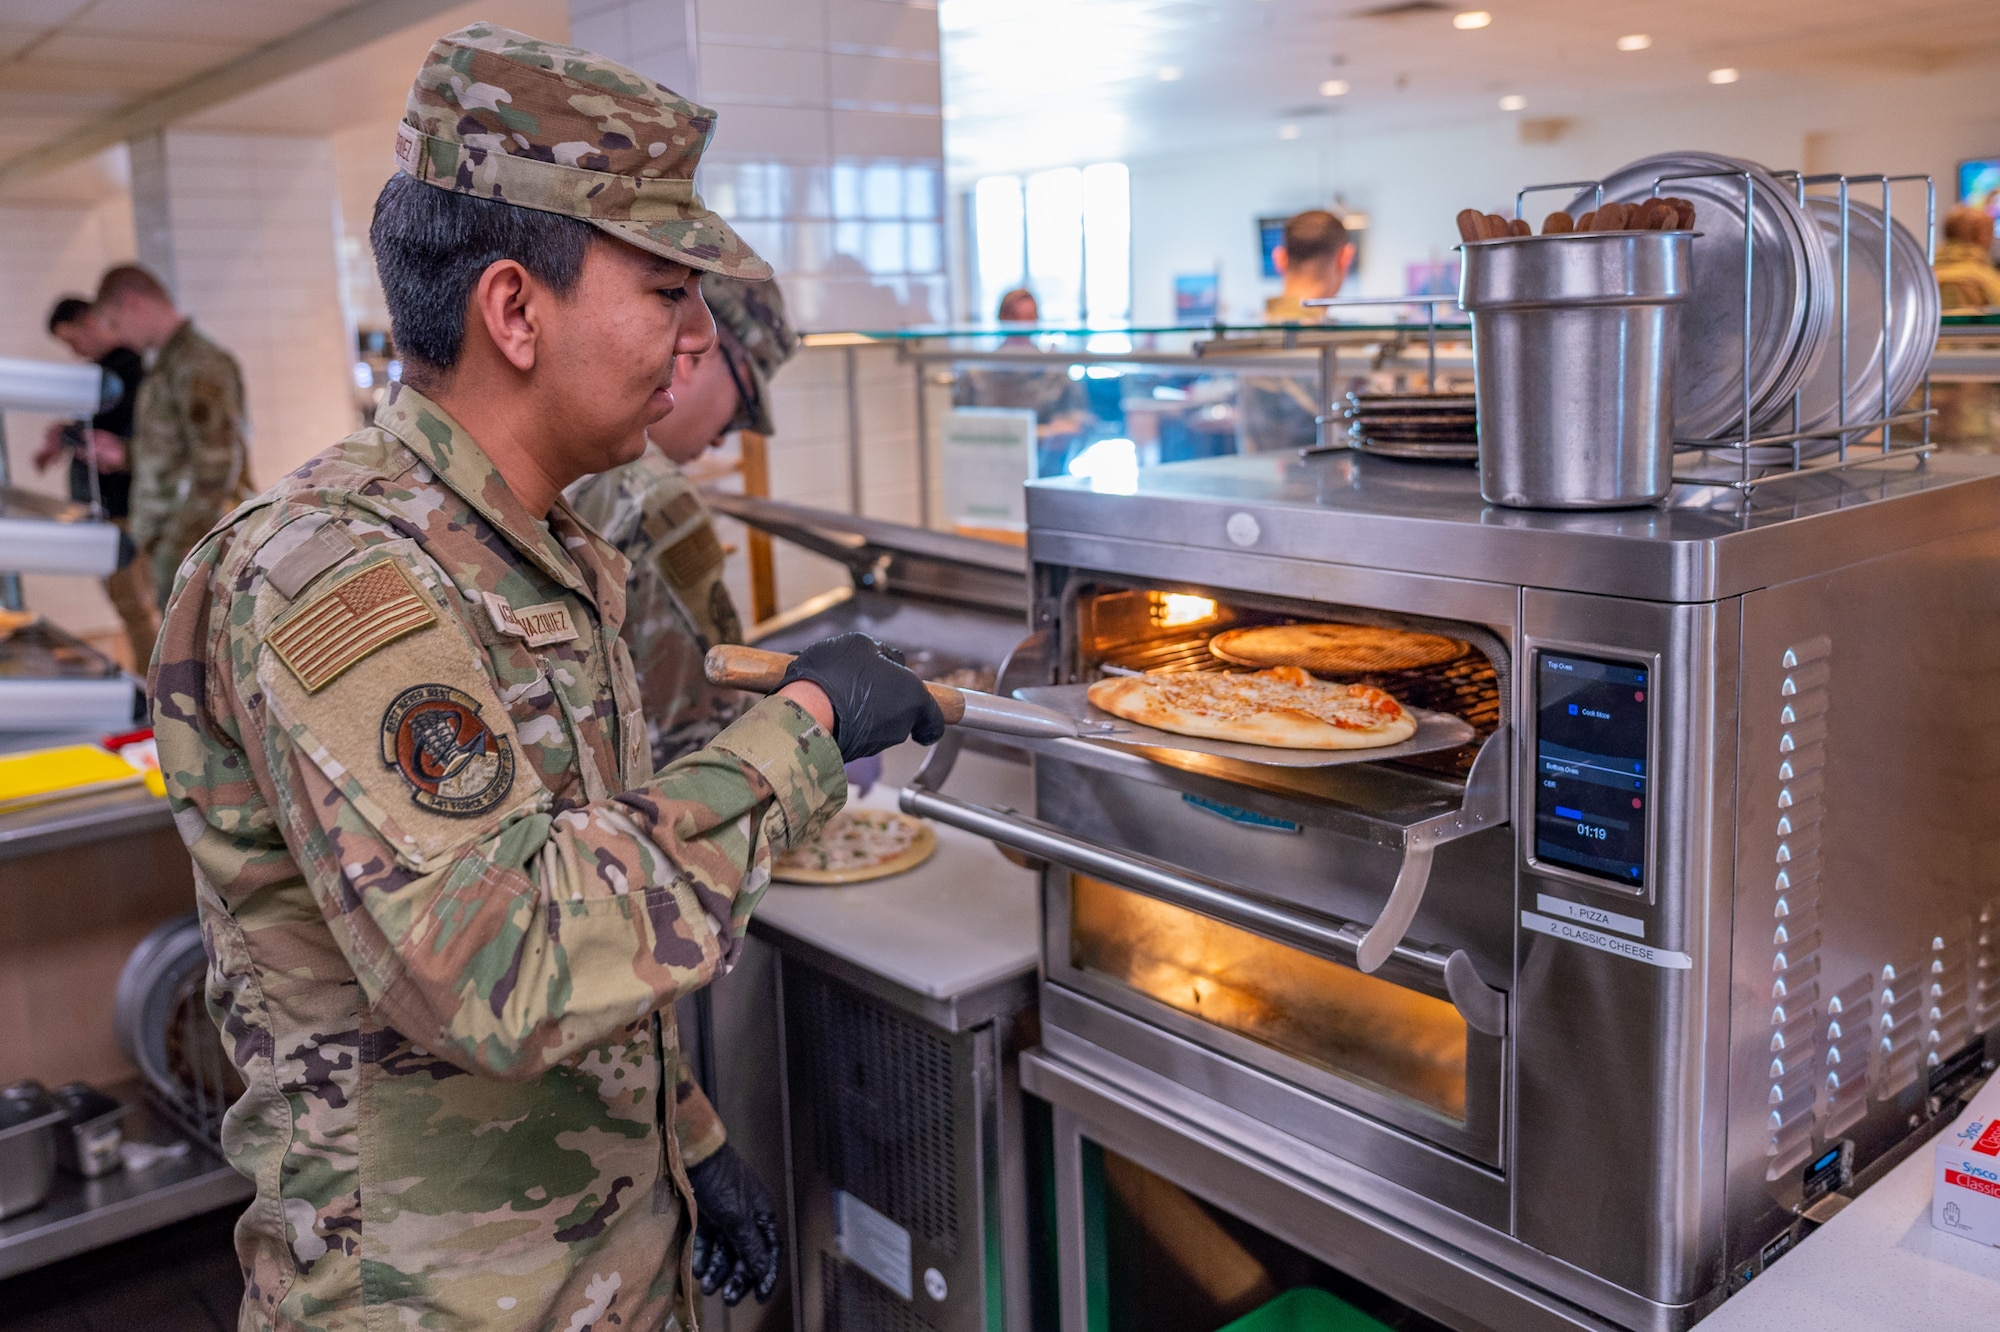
column 1065, row 234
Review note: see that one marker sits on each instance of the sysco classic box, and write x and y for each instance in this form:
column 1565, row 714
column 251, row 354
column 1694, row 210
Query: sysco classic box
column 1966, row 1197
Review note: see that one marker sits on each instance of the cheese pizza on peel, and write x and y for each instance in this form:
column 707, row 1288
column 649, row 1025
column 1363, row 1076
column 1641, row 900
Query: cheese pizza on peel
column 1284, row 707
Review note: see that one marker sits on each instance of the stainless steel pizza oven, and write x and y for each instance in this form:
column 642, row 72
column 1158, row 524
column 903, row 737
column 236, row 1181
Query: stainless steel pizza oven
column 1569, row 1025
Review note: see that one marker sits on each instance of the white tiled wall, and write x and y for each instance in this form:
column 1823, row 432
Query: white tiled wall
column 655, row 37
column 828, row 154
column 245, row 228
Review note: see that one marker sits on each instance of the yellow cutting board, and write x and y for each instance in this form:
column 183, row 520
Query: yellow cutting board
column 46, row 774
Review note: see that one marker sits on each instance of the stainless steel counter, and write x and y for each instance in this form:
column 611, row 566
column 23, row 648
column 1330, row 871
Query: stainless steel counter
column 81, row 819
column 85, row 1214
column 1878, row 1266
column 941, row 941
column 1705, row 543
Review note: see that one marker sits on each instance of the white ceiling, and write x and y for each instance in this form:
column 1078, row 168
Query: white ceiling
column 64, row 63
column 369, row 83
column 1032, row 83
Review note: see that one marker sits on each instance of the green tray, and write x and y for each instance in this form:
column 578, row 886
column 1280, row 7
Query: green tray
column 1307, row 1309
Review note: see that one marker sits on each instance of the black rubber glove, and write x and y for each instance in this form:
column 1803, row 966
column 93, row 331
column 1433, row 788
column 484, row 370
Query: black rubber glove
column 877, row 702
column 737, row 1250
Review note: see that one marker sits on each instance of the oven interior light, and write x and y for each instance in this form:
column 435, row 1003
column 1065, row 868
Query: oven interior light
column 1171, row 610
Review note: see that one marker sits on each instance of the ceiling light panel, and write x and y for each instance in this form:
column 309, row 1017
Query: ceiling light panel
column 1470, row 19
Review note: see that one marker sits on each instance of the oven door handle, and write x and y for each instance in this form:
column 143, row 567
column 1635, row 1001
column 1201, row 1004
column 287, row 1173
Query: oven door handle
column 1483, row 1007
column 1486, row 802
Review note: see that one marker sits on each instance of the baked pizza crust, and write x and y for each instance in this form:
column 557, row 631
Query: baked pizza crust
column 1336, row 649
column 1284, row 708
column 858, row 846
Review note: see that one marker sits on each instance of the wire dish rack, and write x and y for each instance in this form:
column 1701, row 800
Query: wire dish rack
column 1744, row 459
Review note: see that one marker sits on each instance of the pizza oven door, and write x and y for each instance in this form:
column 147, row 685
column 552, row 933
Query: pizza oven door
column 1204, row 918
column 1235, row 971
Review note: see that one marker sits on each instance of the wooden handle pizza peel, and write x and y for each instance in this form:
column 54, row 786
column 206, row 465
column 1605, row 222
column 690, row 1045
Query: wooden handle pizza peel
column 1065, row 712
column 758, row 672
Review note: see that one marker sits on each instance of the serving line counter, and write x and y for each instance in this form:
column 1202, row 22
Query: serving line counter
column 84, row 882
column 887, row 1115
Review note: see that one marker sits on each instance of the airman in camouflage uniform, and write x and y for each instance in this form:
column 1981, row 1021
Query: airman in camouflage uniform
column 445, row 894
column 189, row 450
column 677, row 605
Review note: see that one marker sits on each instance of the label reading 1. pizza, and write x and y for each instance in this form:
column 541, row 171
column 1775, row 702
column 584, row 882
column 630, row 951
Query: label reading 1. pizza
column 1285, row 708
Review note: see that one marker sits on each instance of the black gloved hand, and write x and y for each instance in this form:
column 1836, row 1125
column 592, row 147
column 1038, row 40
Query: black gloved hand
column 877, row 702
column 737, row 1249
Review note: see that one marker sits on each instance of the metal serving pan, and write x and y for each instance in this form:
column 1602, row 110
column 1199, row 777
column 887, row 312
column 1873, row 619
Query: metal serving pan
column 1435, row 731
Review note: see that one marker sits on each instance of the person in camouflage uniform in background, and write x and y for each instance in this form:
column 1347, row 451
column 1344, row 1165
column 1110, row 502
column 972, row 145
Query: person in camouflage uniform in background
column 444, row 893
column 677, row 605
column 190, row 453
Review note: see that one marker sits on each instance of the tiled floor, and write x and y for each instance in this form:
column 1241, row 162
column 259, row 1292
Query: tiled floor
column 180, row 1279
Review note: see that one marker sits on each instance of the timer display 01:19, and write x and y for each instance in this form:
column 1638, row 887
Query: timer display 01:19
column 1592, row 771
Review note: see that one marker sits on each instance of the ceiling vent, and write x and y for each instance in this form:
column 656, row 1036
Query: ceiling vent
column 1401, row 9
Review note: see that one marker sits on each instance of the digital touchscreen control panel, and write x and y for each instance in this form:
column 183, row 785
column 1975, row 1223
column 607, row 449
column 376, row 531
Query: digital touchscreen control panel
column 1593, row 773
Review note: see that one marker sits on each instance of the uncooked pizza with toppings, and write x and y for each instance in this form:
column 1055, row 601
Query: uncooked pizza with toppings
column 858, row 845
column 1284, row 707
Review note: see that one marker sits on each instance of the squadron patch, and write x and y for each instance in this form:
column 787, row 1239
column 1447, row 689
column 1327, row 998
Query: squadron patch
column 433, row 735
column 368, row 609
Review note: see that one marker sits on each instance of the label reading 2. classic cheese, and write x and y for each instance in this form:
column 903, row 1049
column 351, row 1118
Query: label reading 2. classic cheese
column 1608, row 943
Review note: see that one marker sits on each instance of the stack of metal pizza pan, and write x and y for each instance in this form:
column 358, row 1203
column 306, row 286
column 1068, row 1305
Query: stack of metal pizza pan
column 1434, row 427
column 1792, row 291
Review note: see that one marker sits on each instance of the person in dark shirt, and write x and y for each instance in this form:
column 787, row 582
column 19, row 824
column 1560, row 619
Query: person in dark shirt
column 106, row 438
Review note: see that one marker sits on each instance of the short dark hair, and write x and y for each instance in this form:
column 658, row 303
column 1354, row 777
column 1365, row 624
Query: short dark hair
column 1014, row 297
column 67, row 311
column 1968, row 225
column 131, row 280
column 1314, row 235
column 432, row 244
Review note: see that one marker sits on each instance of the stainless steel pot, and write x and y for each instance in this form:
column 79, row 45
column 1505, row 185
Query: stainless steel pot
column 28, row 1120
column 1573, row 346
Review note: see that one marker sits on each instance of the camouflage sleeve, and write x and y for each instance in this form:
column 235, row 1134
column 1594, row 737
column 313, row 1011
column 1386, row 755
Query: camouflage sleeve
column 479, row 918
column 696, row 1124
column 216, row 439
column 159, row 457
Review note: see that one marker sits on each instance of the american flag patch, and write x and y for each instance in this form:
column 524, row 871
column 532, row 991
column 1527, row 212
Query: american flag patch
column 363, row 611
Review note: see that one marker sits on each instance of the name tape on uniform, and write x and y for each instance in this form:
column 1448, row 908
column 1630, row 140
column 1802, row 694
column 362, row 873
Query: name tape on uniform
column 1607, row 943
column 538, row 626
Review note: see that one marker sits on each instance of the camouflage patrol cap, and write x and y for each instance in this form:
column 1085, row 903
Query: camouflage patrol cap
column 500, row 115
column 750, row 316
